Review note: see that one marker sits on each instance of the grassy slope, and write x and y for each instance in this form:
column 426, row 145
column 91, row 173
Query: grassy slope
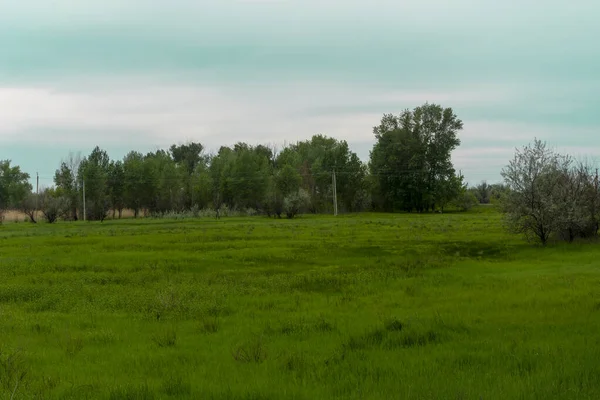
column 354, row 307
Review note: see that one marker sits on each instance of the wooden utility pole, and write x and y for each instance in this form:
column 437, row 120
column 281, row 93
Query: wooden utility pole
column 83, row 199
column 335, row 205
column 37, row 191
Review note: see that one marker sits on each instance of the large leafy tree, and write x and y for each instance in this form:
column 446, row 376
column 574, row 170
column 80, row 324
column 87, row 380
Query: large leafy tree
column 189, row 157
column 68, row 186
column 411, row 160
column 137, row 184
column 218, row 171
column 316, row 160
column 116, row 186
column 241, row 176
column 94, row 173
column 14, row 186
column 170, row 183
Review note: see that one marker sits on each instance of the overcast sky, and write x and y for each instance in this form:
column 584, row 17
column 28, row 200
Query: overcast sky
column 143, row 74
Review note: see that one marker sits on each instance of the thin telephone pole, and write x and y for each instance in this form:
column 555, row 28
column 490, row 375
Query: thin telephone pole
column 335, row 206
column 83, row 180
column 37, row 190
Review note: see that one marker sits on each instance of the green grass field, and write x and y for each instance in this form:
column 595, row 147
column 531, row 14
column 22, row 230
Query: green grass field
column 371, row 306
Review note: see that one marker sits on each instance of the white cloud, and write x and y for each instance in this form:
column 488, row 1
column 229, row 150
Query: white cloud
column 488, row 146
column 143, row 113
column 163, row 113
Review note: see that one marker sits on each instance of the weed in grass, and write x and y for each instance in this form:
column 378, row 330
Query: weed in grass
column 218, row 308
column 177, row 387
column 366, row 340
column 13, row 371
column 132, row 392
column 41, row 329
column 297, row 363
column 167, row 337
column 393, row 325
column 415, row 338
column 77, row 392
column 102, row 337
column 268, row 305
column 291, row 327
column 253, row 351
column 323, row 325
column 210, row 325
column 71, row 345
column 45, row 387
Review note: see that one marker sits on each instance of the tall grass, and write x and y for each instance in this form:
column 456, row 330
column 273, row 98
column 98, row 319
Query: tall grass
column 365, row 306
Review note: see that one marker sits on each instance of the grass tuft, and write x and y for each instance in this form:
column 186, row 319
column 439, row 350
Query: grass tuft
column 132, row 392
column 176, row 387
column 165, row 338
column 72, row 345
column 253, row 351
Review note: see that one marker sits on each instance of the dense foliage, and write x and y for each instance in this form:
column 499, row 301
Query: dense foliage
column 410, row 169
column 411, row 161
column 544, row 195
column 14, row 186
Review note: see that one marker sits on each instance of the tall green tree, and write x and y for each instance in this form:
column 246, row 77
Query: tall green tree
column 116, row 187
column 201, row 184
column 412, row 157
column 188, row 157
column 137, row 182
column 94, row 172
column 316, row 160
column 14, row 186
column 219, row 168
column 241, row 176
column 170, row 190
column 68, row 186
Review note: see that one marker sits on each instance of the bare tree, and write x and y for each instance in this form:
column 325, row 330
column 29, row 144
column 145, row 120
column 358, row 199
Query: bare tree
column 295, row 202
column 533, row 204
column 29, row 205
column 582, row 202
column 53, row 205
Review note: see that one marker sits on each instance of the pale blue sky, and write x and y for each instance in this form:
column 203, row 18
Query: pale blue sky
column 144, row 74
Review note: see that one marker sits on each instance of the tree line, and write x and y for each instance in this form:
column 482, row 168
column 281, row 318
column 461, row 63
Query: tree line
column 410, row 169
column 544, row 195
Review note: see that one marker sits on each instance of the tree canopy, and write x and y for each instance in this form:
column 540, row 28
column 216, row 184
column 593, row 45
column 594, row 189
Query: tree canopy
column 14, row 186
column 411, row 160
column 410, row 169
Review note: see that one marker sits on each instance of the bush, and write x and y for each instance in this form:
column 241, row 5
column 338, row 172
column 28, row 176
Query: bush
column 196, row 212
column 295, row 203
column 465, row 201
column 53, row 205
column 550, row 196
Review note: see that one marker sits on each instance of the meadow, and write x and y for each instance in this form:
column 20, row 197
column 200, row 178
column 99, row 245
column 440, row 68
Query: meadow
column 369, row 306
